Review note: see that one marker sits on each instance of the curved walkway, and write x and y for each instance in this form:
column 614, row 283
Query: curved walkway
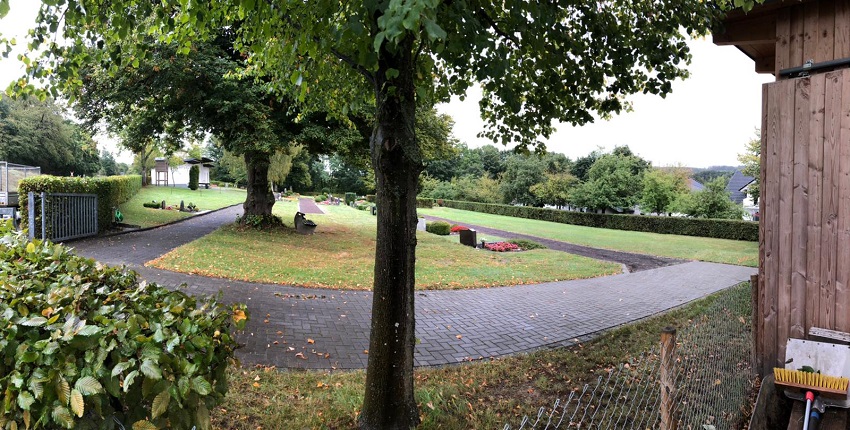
column 308, row 206
column 293, row 327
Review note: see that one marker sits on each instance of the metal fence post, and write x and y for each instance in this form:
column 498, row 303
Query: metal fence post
column 668, row 378
column 43, row 216
column 31, row 214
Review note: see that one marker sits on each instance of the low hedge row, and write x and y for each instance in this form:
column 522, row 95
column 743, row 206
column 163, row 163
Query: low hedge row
column 422, row 202
column 716, row 228
column 111, row 191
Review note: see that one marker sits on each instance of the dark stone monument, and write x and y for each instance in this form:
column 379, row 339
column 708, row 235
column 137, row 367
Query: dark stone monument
column 468, row 238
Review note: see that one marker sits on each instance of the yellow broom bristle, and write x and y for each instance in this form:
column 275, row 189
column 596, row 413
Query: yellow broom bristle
column 809, row 379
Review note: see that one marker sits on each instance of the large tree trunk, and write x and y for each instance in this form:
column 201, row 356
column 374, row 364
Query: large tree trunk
column 389, row 403
column 259, row 200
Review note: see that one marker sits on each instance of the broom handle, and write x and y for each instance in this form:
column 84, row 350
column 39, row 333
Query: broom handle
column 810, row 397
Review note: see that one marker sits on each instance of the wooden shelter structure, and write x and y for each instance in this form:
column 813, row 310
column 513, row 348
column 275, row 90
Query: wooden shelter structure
column 804, row 241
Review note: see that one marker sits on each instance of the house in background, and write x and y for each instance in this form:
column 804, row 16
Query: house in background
column 738, row 188
column 178, row 176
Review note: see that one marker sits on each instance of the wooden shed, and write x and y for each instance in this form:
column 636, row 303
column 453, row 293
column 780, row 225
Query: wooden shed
column 804, row 264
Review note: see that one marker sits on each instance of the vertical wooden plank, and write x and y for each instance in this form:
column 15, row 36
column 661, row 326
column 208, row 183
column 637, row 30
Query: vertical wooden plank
column 842, row 29
column 759, row 304
column 770, row 219
column 795, row 41
column 786, row 205
column 799, row 209
column 826, row 31
column 783, row 35
column 829, row 211
column 842, row 275
column 811, row 26
column 815, row 198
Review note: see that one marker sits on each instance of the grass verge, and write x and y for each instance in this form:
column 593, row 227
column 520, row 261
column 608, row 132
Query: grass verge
column 478, row 395
column 341, row 254
column 215, row 198
column 737, row 252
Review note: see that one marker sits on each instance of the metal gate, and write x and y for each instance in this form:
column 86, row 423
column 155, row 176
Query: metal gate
column 62, row 216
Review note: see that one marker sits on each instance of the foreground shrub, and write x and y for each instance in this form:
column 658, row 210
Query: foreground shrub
column 526, row 244
column 441, row 228
column 84, row 345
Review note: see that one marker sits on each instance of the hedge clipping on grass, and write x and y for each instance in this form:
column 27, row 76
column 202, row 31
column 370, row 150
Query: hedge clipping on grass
column 84, row 344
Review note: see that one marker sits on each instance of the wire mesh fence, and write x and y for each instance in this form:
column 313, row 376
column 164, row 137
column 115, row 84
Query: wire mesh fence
column 701, row 377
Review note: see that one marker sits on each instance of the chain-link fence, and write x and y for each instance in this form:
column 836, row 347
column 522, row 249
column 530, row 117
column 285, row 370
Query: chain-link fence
column 706, row 383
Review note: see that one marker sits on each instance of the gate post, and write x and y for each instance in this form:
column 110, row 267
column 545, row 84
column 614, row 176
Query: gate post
column 31, row 214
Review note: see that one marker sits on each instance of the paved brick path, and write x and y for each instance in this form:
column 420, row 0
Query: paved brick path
column 309, row 206
column 452, row 326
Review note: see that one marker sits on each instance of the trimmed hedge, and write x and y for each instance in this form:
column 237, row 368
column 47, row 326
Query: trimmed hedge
column 422, row 202
column 441, row 228
column 370, row 198
column 716, row 228
column 194, row 176
column 111, row 191
column 350, row 198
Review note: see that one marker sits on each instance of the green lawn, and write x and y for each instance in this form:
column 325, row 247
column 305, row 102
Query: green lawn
column 341, row 254
column 214, row 198
column 480, row 395
column 664, row 245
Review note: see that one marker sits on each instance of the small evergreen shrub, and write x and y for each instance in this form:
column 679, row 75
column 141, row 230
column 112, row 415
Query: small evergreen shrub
column 152, row 205
column 350, row 198
column 194, row 174
column 85, row 344
column 320, row 198
column 441, row 228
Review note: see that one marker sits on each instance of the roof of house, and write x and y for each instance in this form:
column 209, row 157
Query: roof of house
column 202, row 160
column 693, row 185
column 738, row 182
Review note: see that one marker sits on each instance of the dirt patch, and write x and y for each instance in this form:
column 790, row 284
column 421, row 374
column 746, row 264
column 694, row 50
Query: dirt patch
column 632, row 262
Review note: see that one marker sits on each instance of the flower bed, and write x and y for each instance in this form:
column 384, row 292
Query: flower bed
column 501, row 247
column 458, row 228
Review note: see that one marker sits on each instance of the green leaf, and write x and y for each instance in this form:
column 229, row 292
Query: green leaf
column 25, row 400
column 4, row 8
column 34, row 322
column 151, row 370
column 77, row 404
column 434, row 30
column 128, row 381
column 201, row 385
column 63, row 417
column 89, row 330
column 121, row 367
column 160, row 404
column 88, row 386
column 202, row 417
column 144, row 425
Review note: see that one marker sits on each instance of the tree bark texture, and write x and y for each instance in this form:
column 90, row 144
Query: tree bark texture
column 389, row 402
column 259, row 199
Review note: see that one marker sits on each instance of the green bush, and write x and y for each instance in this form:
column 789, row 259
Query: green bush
column 152, row 205
column 320, row 198
column 111, row 191
column 364, row 206
column 84, row 344
column 716, row 228
column 424, row 202
column 526, row 244
column 194, row 174
column 350, row 198
column 441, row 228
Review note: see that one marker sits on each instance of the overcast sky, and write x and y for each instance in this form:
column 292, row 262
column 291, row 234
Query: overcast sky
column 706, row 121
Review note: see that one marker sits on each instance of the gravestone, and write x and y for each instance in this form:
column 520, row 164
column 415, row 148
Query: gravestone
column 420, row 225
column 469, row 238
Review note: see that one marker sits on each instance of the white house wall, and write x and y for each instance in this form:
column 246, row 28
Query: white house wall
column 179, row 176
